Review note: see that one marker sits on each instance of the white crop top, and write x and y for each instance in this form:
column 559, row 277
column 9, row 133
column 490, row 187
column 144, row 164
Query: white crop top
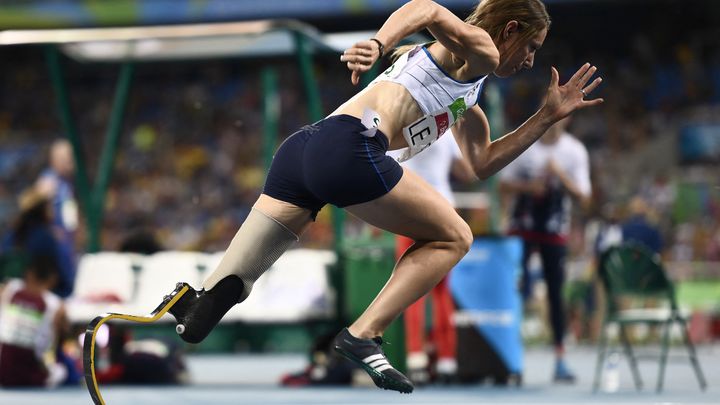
column 441, row 98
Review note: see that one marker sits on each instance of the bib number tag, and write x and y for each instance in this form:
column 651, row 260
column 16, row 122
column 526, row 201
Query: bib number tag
column 426, row 130
column 421, row 132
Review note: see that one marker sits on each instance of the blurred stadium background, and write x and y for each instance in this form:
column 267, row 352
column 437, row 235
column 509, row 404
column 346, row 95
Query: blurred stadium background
column 174, row 136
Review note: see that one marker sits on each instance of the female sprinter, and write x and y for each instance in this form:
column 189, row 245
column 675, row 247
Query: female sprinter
column 341, row 160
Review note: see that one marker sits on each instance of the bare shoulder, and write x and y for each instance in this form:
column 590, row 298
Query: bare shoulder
column 456, row 66
column 445, row 59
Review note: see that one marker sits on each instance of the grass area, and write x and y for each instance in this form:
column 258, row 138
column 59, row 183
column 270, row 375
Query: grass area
column 699, row 294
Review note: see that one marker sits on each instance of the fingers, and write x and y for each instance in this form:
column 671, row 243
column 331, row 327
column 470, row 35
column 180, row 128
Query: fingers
column 593, row 85
column 554, row 77
column 580, row 78
column 585, row 77
column 358, row 68
column 362, row 53
column 359, row 58
column 575, row 79
column 595, row 101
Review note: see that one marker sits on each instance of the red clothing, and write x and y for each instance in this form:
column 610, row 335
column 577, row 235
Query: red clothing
column 540, row 237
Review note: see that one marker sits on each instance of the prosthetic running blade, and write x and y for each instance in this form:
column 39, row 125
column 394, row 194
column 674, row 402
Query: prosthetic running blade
column 94, row 325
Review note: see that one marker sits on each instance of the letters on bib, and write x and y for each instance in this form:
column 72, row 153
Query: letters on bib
column 426, row 130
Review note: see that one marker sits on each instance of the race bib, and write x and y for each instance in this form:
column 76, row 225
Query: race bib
column 430, row 127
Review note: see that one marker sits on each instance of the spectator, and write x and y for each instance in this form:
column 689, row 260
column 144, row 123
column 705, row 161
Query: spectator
column 637, row 227
column 31, row 320
column 542, row 181
column 33, row 235
column 609, row 231
column 56, row 182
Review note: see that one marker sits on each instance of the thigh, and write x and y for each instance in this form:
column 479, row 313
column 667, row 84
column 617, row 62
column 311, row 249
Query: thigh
column 285, row 180
column 295, row 218
column 413, row 209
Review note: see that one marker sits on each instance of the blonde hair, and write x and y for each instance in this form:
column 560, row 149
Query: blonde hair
column 493, row 15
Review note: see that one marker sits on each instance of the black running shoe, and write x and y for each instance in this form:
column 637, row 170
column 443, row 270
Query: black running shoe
column 197, row 312
column 368, row 354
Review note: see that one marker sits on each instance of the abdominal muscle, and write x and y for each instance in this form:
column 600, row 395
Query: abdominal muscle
column 392, row 102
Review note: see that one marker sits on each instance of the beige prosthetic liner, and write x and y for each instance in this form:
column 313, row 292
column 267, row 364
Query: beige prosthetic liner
column 260, row 241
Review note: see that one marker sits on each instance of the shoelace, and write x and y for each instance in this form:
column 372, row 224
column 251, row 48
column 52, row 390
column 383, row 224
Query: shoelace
column 379, row 340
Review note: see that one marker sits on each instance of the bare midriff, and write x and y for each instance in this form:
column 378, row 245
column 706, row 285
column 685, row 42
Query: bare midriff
column 396, row 107
column 392, row 102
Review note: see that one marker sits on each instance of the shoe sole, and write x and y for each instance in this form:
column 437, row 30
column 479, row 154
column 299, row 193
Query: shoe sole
column 380, row 379
column 94, row 325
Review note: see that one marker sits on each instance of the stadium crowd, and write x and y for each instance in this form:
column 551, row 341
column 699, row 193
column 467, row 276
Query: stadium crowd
column 188, row 164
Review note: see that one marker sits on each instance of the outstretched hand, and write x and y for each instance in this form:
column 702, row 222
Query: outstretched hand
column 561, row 101
column 360, row 58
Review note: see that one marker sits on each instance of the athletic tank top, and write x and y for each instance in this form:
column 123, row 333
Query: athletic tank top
column 441, row 98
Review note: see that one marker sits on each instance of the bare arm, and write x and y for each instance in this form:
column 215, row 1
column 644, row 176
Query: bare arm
column 61, row 323
column 462, row 171
column 569, row 185
column 487, row 158
column 467, row 42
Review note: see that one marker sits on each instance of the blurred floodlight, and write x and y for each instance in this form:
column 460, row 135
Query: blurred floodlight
column 251, row 38
column 73, row 35
column 241, row 39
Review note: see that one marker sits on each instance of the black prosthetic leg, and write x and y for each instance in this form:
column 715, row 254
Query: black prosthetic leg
column 197, row 312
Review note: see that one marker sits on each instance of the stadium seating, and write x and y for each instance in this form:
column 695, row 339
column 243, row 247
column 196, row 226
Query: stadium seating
column 160, row 272
column 105, row 282
column 294, row 289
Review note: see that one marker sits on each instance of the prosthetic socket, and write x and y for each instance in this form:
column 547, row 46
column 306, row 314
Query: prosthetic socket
column 260, row 241
column 257, row 245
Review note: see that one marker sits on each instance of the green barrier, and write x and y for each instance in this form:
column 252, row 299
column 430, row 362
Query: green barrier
column 368, row 264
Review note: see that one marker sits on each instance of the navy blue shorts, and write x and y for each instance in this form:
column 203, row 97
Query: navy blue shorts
column 331, row 162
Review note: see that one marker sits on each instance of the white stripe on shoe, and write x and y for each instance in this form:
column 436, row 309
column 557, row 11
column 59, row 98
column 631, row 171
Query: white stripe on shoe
column 377, row 362
column 373, row 357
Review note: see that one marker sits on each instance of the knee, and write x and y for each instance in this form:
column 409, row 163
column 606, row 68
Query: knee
column 467, row 238
column 462, row 237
